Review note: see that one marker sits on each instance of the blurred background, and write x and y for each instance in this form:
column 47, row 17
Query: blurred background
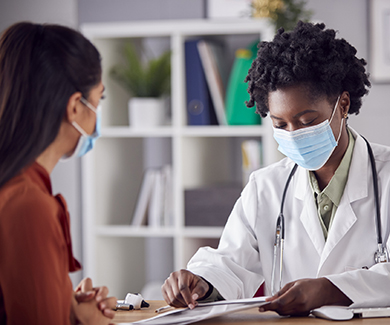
column 352, row 19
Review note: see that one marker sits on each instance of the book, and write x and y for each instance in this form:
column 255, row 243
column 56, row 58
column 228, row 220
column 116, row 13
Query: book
column 200, row 110
column 168, row 195
column 213, row 68
column 144, row 196
column 155, row 212
column 252, row 158
column 155, row 199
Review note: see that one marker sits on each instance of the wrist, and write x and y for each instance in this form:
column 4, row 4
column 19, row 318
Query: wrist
column 209, row 291
column 334, row 295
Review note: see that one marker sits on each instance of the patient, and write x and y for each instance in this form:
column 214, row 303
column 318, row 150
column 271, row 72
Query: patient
column 50, row 88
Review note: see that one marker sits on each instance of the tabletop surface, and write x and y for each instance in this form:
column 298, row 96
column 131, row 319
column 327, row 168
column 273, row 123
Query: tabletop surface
column 248, row 317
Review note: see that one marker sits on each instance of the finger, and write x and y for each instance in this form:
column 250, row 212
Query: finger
column 175, row 294
column 101, row 293
column 169, row 295
column 187, row 294
column 84, row 296
column 200, row 289
column 283, row 298
column 108, row 303
column 109, row 313
column 86, row 285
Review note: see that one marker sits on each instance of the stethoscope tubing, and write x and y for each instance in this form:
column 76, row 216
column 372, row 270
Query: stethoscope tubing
column 381, row 254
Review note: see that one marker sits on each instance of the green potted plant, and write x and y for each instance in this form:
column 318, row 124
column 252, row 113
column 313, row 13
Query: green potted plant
column 147, row 82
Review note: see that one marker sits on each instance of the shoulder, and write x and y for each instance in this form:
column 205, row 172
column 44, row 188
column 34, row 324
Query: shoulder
column 269, row 178
column 381, row 152
column 274, row 172
column 25, row 204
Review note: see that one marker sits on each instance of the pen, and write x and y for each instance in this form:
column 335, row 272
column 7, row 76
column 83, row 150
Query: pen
column 159, row 310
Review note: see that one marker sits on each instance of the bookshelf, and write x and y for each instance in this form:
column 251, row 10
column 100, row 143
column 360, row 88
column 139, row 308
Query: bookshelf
column 116, row 254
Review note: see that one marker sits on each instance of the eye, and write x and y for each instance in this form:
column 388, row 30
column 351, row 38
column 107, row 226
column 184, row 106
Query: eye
column 308, row 123
column 280, row 126
column 103, row 97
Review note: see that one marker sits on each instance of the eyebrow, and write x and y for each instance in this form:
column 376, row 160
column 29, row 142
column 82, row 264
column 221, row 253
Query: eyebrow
column 104, row 88
column 297, row 115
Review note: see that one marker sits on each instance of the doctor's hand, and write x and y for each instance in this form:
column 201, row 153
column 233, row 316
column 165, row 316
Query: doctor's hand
column 183, row 288
column 298, row 298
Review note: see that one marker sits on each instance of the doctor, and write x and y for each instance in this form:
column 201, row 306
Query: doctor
column 308, row 82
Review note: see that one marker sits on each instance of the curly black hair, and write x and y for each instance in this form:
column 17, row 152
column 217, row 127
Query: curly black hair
column 310, row 56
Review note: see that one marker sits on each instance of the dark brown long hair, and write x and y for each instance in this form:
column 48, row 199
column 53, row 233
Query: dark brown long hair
column 41, row 66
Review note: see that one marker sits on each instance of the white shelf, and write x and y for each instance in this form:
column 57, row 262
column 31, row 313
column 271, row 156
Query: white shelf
column 178, row 27
column 127, row 132
column 145, row 231
column 224, row 131
column 200, row 156
column 131, row 231
column 188, row 131
column 202, row 232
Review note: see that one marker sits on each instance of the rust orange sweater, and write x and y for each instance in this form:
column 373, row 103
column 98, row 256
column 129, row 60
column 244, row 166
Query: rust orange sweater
column 35, row 251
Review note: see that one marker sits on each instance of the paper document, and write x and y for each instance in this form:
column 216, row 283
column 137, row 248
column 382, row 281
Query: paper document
column 202, row 311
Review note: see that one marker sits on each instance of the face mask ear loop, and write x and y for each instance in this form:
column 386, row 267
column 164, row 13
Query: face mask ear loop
column 88, row 104
column 334, row 110
column 331, row 118
column 78, row 128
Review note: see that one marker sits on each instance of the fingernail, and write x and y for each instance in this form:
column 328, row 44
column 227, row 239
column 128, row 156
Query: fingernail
column 102, row 306
column 195, row 296
column 191, row 306
column 261, row 309
column 98, row 298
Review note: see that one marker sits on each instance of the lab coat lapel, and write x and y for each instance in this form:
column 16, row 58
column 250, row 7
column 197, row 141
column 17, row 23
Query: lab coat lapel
column 308, row 215
column 355, row 189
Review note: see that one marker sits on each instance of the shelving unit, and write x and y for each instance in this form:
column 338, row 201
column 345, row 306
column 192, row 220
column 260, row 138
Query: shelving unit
column 116, row 254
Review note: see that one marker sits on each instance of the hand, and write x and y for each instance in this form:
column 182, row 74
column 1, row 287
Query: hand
column 90, row 305
column 86, row 292
column 183, row 288
column 298, row 298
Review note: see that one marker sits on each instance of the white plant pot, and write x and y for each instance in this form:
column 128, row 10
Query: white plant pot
column 146, row 112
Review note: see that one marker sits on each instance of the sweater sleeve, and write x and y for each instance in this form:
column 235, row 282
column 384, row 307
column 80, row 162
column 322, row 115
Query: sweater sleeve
column 34, row 262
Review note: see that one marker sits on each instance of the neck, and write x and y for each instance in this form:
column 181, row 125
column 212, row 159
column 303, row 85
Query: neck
column 325, row 174
column 49, row 158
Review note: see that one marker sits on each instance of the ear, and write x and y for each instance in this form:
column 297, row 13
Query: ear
column 73, row 107
column 345, row 103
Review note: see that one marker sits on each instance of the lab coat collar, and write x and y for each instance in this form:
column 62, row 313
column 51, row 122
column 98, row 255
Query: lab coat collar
column 356, row 186
column 355, row 189
column 359, row 171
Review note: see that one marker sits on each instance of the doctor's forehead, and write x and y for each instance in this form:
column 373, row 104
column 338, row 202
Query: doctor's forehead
column 294, row 99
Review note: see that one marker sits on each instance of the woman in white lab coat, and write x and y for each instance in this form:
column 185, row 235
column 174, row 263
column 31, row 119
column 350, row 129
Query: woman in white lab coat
column 308, row 81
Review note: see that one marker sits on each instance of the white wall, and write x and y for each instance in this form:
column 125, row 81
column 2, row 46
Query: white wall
column 350, row 18
column 66, row 176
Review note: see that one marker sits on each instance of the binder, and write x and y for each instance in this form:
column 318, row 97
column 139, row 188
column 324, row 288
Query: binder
column 237, row 94
column 200, row 110
column 213, row 69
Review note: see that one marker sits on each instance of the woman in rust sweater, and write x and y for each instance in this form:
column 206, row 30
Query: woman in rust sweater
column 50, row 87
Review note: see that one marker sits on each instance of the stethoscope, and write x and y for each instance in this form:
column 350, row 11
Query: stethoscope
column 381, row 254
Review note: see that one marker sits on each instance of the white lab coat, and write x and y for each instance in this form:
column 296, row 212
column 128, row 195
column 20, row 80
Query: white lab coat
column 243, row 260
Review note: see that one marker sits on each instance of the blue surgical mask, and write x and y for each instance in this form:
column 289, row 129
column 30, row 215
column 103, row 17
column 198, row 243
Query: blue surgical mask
column 86, row 141
column 309, row 147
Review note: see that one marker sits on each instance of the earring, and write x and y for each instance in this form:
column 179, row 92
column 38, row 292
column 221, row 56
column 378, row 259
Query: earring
column 345, row 115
